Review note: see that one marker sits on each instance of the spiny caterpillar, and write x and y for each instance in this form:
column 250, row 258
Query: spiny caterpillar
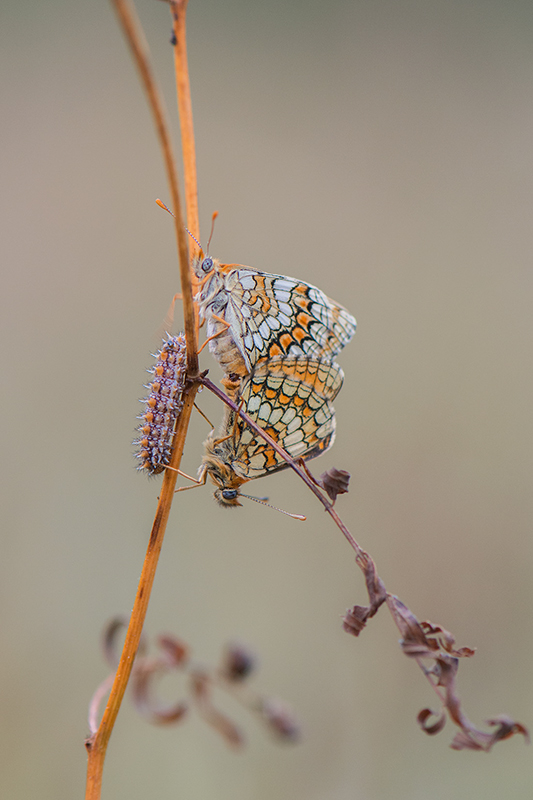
column 163, row 405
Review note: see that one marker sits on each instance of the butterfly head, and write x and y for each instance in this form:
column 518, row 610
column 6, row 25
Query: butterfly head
column 227, row 498
column 217, row 464
column 204, row 266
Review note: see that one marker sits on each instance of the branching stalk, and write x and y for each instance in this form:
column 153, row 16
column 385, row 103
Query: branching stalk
column 97, row 743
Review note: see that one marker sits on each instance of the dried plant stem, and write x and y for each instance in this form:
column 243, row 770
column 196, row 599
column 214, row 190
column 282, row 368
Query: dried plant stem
column 136, row 40
column 178, row 10
column 361, row 556
column 97, row 743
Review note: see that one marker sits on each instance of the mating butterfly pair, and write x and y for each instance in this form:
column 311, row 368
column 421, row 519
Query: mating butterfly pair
column 275, row 338
column 290, row 398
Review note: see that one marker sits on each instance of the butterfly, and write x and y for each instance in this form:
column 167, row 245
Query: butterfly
column 290, row 397
column 253, row 315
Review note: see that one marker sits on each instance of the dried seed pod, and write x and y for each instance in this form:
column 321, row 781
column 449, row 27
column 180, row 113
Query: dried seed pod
column 238, row 662
column 335, row 481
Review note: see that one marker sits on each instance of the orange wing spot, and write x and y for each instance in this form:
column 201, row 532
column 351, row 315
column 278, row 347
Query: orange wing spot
column 285, row 340
column 306, row 412
column 271, row 458
column 266, row 305
column 283, row 400
column 303, row 319
column 270, row 394
column 301, row 302
column 275, row 350
column 299, row 334
column 297, row 400
column 301, row 288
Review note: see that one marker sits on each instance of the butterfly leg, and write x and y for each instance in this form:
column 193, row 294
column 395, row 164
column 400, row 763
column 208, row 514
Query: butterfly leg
column 204, row 416
column 234, row 428
column 168, row 321
column 214, row 336
column 196, row 483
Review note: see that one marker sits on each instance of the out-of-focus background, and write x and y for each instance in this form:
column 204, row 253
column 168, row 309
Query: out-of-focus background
column 384, row 152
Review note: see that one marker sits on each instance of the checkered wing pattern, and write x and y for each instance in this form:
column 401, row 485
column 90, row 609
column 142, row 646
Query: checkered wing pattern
column 268, row 316
column 290, row 398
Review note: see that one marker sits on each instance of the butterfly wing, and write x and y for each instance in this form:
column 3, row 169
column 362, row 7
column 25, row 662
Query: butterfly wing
column 273, row 315
column 290, row 398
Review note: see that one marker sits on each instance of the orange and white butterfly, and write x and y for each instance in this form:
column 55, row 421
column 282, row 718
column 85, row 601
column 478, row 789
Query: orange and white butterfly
column 290, row 397
column 253, row 315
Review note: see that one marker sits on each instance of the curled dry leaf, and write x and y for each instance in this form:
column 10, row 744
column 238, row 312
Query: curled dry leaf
column 334, row 481
column 176, row 652
column 281, row 720
column 110, row 643
column 144, row 675
column 237, row 663
column 444, row 640
column 355, row 618
column 424, row 640
column 146, row 671
column 479, row 740
column 201, row 693
column 435, row 727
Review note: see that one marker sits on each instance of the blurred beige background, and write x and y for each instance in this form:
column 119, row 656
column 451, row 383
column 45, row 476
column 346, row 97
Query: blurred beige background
column 384, row 152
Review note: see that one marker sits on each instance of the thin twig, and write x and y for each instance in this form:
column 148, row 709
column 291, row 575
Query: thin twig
column 361, row 555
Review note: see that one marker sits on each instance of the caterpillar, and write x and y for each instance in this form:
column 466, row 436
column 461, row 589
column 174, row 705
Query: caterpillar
column 162, row 406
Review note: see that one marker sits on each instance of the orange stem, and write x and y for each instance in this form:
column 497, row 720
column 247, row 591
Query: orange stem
column 97, row 743
column 139, row 48
column 178, row 10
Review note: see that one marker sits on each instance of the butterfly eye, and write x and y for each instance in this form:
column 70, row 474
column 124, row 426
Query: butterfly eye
column 229, row 494
column 207, row 264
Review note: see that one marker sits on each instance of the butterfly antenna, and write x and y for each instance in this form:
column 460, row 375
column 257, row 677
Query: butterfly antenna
column 258, row 500
column 162, row 205
column 215, row 215
column 195, row 239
